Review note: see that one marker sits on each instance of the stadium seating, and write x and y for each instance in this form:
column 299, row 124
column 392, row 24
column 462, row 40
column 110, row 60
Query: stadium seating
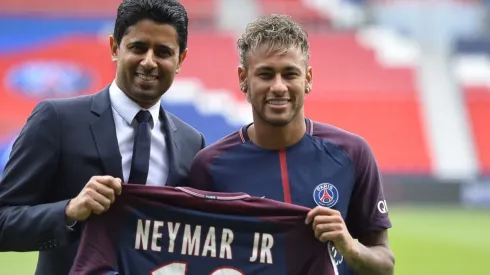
column 478, row 104
column 355, row 91
column 472, row 69
column 201, row 12
column 213, row 59
column 295, row 8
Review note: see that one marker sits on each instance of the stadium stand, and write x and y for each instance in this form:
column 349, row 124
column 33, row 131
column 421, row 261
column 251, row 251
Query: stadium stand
column 472, row 70
column 298, row 9
column 202, row 13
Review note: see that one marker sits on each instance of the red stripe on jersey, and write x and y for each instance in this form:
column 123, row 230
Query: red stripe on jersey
column 284, row 176
column 241, row 136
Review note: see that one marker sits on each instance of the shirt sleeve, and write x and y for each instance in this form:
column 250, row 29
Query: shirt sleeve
column 199, row 175
column 368, row 211
column 97, row 251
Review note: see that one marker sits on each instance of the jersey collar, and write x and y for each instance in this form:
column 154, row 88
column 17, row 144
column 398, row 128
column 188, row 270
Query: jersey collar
column 244, row 133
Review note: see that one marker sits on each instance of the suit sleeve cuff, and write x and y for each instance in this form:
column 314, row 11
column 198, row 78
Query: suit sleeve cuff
column 69, row 224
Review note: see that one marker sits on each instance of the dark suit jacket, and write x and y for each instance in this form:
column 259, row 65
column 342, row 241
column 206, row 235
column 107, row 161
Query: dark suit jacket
column 63, row 144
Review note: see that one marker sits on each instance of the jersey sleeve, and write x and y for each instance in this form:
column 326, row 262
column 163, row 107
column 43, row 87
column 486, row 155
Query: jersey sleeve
column 199, row 175
column 368, row 211
column 97, row 250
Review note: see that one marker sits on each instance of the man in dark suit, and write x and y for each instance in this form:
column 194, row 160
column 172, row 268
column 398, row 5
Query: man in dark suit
column 73, row 154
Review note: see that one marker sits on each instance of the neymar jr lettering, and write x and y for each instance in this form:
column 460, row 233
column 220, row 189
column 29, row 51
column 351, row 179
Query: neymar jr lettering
column 148, row 236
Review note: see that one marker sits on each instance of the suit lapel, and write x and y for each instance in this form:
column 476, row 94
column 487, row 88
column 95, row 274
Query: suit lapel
column 104, row 134
column 172, row 142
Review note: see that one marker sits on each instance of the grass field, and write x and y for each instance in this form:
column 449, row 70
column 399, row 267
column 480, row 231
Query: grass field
column 426, row 241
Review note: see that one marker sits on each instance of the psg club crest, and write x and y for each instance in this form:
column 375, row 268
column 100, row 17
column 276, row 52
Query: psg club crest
column 326, row 194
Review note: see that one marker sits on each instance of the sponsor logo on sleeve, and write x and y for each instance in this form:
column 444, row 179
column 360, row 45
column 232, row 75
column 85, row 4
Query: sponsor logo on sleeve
column 382, row 207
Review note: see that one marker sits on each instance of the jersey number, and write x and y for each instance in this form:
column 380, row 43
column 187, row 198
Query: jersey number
column 181, row 269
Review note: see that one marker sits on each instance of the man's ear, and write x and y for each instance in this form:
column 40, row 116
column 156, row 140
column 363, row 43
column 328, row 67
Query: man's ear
column 114, row 48
column 309, row 80
column 182, row 57
column 242, row 79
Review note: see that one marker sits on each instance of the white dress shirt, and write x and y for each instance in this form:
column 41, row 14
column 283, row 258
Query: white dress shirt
column 124, row 111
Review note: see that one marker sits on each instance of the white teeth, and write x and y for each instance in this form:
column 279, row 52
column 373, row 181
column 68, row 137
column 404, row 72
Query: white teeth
column 277, row 102
column 147, row 77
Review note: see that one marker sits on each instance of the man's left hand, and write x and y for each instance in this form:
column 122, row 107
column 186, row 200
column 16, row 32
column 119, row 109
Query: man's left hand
column 329, row 225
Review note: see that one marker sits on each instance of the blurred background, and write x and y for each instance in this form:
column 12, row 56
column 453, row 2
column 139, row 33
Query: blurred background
column 410, row 76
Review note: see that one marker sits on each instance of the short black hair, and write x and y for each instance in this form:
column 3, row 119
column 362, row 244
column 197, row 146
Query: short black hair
column 171, row 12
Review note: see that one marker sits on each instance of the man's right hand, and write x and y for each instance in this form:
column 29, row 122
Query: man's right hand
column 96, row 197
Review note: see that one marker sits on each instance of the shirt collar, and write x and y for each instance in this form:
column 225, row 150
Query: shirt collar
column 127, row 108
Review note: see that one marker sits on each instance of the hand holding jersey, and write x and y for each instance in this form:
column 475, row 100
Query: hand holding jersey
column 96, row 197
column 328, row 225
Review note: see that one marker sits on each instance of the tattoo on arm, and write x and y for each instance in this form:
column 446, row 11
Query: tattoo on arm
column 374, row 255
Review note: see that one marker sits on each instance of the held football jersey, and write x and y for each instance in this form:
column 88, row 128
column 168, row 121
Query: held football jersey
column 155, row 230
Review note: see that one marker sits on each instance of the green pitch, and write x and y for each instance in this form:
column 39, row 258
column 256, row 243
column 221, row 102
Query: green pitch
column 426, row 241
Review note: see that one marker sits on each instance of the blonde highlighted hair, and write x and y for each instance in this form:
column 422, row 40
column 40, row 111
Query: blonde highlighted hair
column 277, row 32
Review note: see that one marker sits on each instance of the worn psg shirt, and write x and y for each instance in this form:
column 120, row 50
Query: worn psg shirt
column 328, row 167
column 183, row 231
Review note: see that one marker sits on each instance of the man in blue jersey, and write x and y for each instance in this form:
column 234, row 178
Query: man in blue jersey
column 287, row 157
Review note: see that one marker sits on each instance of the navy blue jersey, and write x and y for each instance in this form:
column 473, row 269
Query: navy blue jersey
column 329, row 167
column 182, row 231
